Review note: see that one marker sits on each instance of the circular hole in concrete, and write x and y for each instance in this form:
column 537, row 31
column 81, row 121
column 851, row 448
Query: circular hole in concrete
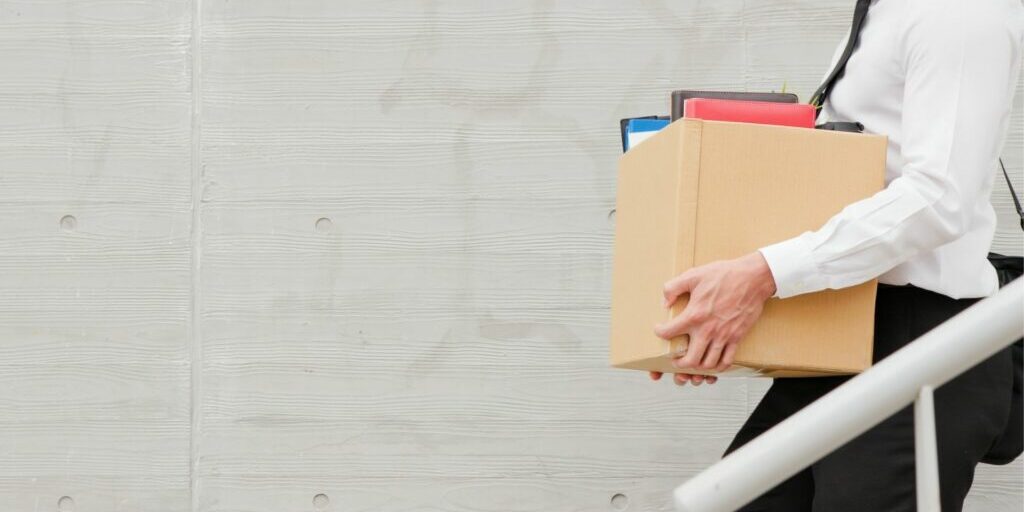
column 324, row 225
column 320, row 501
column 68, row 223
column 65, row 504
column 620, row 502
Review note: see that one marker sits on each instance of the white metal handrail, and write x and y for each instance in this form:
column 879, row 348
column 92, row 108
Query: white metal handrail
column 906, row 376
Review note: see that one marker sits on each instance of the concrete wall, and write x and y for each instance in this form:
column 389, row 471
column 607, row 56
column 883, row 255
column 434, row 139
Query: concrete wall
column 95, row 272
column 359, row 260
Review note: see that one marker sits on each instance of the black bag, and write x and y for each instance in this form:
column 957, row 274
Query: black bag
column 1010, row 444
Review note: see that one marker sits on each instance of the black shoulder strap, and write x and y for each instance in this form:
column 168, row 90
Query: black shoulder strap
column 1013, row 193
column 859, row 14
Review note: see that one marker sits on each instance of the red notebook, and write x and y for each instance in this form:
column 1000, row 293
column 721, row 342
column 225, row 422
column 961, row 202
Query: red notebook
column 758, row 112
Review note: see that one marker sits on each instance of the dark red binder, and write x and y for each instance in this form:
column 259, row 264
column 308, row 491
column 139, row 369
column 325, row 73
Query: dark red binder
column 758, row 112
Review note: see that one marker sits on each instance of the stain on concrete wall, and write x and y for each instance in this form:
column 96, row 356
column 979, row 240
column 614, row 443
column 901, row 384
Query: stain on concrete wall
column 361, row 262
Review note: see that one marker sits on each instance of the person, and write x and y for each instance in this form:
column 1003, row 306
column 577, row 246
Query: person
column 937, row 77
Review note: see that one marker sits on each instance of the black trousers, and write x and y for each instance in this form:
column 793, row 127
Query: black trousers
column 875, row 472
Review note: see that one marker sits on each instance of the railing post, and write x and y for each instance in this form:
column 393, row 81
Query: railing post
column 926, row 451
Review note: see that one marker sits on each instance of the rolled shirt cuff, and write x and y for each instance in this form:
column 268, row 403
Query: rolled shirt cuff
column 794, row 270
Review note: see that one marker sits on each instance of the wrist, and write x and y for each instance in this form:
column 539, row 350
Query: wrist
column 762, row 274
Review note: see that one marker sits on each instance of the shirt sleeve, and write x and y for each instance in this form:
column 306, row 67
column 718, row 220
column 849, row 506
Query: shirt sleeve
column 957, row 65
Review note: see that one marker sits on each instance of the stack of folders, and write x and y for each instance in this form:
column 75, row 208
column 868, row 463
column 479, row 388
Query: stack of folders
column 679, row 98
column 750, row 107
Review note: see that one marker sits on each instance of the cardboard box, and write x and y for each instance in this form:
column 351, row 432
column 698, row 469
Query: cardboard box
column 702, row 191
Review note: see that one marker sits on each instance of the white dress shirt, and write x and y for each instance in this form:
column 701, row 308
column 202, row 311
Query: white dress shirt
column 937, row 77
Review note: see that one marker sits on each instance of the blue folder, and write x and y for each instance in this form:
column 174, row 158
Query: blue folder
column 634, row 130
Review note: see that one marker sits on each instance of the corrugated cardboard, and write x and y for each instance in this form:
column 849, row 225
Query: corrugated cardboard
column 701, row 191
